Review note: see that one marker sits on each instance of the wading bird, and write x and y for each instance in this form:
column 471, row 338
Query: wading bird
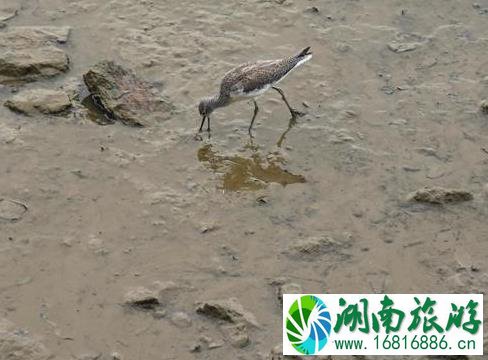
column 250, row 80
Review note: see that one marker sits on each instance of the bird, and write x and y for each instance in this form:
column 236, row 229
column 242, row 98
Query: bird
column 250, row 80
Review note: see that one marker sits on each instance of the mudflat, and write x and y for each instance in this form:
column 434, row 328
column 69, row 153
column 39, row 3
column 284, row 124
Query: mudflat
column 120, row 242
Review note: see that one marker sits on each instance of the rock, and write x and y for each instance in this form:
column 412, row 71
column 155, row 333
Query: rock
column 159, row 314
column 312, row 10
column 277, row 354
column 181, row 320
column 484, row 106
column 398, row 47
column 30, row 53
column 283, row 286
column 45, row 101
column 58, row 34
column 12, row 210
column 90, row 356
column 115, row 356
column 229, row 310
column 439, row 195
column 315, row 246
column 17, row 344
column 142, row 298
column 236, row 334
column 7, row 134
column 427, row 151
column 398, row 122
column 125, row 97
column 166, row 291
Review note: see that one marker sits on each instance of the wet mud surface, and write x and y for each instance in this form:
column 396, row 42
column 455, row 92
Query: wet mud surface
column 87, row 212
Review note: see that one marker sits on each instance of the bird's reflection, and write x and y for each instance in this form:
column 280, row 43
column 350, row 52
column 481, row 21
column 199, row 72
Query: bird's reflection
column 252, row 172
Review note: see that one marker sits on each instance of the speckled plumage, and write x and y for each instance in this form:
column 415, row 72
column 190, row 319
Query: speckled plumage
column 250, row 80
column 251, row 77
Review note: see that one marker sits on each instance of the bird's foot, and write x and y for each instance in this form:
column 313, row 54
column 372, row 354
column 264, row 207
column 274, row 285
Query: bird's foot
column 198, row 137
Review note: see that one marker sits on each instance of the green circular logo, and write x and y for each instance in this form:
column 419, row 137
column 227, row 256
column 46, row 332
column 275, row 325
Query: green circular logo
column 308, row 325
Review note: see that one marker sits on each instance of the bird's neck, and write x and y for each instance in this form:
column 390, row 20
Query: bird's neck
column 219, row 100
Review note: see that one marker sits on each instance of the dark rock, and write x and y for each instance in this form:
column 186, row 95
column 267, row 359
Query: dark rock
column 124, row 96
column 438, row 195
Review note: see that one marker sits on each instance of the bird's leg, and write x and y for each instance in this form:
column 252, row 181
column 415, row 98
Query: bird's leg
column 256, row 109
column 201, row 125
column 294, row 113
column 208, row 123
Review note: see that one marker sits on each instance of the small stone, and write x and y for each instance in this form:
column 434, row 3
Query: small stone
column 196, row 348
column 181, row 320
column 12, row 210
column 312, row 10
column 229, row 310
column 398, row 122
column 68, row 242
column 398, row 47
column 277, row 354
column 206, row 228
column 115, row 356
column 409, row 168
column 435, row 172
column 215, row 345
column 484, row 106
column 45, row 101
column 159, row 314
column 283, row 286
column 90, row 356
column 142, row 298
column 236, row 334
column 428, row 151
column 315, row 246
column 438, row 195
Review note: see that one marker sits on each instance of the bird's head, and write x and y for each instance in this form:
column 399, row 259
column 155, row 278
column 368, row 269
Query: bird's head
column 206, row 107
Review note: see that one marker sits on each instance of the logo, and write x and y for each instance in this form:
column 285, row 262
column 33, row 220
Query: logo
column 383, row 324
column 308, row 324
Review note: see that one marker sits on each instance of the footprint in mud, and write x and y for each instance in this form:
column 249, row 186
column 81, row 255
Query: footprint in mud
column 251, row 172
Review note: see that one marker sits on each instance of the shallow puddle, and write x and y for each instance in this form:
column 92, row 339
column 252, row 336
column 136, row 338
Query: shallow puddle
column 248, row 173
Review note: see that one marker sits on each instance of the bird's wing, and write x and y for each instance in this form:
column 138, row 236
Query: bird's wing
column 251, row 76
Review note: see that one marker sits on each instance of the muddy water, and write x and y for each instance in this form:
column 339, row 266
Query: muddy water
column 111, row 207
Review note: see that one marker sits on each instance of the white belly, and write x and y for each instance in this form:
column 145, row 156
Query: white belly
column 252, row 94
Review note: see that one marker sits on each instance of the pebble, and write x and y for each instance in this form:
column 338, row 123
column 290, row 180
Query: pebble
column 484, row 106
column 181, row 320
column 439, row 195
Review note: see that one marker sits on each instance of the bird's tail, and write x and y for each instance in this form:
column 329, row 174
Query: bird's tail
column 304, row 53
